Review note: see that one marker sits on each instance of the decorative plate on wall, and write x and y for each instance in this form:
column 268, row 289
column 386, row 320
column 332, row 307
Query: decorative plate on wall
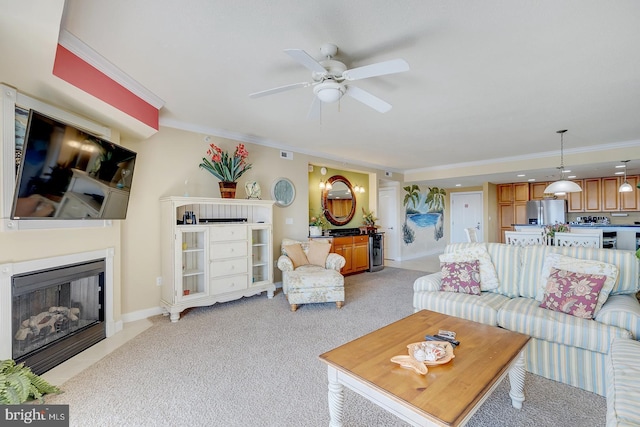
column 283, row 192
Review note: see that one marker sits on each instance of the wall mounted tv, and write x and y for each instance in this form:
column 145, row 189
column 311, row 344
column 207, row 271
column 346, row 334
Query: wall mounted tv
column 66, row 173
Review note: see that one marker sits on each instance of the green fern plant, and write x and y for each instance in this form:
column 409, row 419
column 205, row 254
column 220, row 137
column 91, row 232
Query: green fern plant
column 19, row 384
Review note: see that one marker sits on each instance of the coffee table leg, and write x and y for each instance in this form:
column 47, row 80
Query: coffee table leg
column 336, row 398
column 516, row 378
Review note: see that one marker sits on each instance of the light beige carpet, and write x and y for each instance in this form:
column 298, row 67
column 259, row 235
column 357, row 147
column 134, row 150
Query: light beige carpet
column 253, row 362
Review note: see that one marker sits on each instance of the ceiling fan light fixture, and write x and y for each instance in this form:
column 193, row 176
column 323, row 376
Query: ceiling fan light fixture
column 329, row 91
column 562, row 186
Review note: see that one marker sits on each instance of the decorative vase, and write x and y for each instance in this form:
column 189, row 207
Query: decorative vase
column 315, row 230
column 227, row 189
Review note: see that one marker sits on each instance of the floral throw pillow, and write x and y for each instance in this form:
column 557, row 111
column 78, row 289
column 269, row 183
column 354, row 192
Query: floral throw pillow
column 577, row 265
column 462, row 277
column 488, row 275
column 573, row 293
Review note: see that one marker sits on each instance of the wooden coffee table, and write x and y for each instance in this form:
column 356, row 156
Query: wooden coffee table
column 449, row 394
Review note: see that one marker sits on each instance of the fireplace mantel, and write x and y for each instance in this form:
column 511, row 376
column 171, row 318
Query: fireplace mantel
column 10, row 269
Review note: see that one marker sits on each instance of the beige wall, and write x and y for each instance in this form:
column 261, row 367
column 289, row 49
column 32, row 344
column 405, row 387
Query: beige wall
column 172, row 156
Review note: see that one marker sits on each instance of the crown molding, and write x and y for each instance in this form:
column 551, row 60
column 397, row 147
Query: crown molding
column 525, row 157
column 93, row 58
column 238, row 136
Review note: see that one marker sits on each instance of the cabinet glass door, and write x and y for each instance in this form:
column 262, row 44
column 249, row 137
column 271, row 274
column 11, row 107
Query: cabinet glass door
column 193, row 252
column 260, row 255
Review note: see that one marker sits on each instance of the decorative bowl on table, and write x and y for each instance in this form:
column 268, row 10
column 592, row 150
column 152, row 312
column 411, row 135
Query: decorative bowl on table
column 431, row 353
column 438, row 353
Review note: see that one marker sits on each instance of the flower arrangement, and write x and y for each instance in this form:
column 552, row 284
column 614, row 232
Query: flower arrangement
column 223, row 166
column 551, row 230
column 319, row 221
column 368, row 218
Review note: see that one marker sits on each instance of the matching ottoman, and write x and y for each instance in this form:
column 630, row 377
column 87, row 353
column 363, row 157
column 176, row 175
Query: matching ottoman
column 623, row 383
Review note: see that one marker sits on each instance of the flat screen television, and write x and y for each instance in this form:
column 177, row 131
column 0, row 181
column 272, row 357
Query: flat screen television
column 67, row 173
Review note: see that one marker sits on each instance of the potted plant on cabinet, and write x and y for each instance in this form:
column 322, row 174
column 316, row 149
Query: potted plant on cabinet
column 317, row 225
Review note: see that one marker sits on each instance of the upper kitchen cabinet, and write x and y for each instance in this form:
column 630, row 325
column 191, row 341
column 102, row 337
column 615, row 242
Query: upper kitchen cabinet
column 536, row 190
column 630, row 201
column 592, row 195
column 575, row 201
column 610, row 194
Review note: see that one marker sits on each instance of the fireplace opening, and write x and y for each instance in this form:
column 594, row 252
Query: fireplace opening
column 57, row 313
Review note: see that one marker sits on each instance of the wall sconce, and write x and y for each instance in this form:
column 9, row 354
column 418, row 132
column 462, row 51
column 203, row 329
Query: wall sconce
column 358, row 189
column 325, row 185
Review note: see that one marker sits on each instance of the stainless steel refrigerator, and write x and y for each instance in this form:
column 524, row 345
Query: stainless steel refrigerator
column 545, row 212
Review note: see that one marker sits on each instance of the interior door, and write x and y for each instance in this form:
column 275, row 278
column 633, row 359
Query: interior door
column 388, row 221
column 466, row 212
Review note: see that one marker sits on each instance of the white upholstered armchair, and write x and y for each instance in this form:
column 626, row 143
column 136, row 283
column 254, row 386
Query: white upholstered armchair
column 310, row 274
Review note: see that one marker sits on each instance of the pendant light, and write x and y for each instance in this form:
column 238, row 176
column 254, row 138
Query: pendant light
column 562, row 186
column 625, row 187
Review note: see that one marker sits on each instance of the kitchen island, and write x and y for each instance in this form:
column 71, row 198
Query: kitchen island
column 627, row 234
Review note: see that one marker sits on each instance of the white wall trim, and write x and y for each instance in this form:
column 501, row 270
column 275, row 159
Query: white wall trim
column 524, row 157
column 93, row 58
column 143, row 314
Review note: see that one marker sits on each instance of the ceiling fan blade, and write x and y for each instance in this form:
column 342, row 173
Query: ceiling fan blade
column 368, row 99
column 316, row 109
column 305, row 59
column 278, row 89
column 379, row 69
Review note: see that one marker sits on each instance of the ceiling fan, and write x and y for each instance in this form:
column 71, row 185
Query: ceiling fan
column 330, row 77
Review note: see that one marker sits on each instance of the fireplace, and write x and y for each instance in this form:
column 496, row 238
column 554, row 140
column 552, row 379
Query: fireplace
column 51, row 309
column 57, row 313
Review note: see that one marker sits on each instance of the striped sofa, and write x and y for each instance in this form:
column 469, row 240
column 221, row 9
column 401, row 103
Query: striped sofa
column 623, row 383
column 563, row 348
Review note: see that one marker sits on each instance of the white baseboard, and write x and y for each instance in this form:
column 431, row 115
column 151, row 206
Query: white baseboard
column 141, row 314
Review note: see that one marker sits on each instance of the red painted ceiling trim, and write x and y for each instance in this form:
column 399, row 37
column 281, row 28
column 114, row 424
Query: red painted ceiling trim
column 77, row 72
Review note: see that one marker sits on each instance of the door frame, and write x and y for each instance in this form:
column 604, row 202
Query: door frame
column 393, row 188
column 452, row 196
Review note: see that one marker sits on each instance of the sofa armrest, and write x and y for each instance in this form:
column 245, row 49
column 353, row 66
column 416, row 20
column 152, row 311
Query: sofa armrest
column 622, row 311
column 335, row 262
column 285, row 263
column 428, row 283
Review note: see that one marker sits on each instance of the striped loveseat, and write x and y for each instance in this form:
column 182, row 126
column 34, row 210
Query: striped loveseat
column 563, row 348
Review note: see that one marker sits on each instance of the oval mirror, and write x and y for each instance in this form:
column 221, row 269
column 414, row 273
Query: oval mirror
column 283, row 192
column 339, row 203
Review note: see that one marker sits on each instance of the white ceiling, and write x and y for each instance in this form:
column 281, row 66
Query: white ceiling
column 489, row 79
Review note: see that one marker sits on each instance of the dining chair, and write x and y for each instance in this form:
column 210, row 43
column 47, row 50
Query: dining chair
column 592, row 240
column 591, row 232
column 525, row 238
column 472, row 235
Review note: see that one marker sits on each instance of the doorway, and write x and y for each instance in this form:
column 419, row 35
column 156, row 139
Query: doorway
column 466, row 212
column 388, row 221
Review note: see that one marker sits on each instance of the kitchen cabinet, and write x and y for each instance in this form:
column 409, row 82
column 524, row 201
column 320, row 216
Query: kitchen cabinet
column 610, row 194
column 505, row 217
column 505, row 193
column 630, row 201
column 225, row 254
column 521, row 192
column 592, row 195
column 355, row 250
column 575, row 201
column 536, row 190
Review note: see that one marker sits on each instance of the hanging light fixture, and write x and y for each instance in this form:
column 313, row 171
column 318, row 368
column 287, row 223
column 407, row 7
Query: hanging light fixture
column 625, row 187
column 562, row 186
